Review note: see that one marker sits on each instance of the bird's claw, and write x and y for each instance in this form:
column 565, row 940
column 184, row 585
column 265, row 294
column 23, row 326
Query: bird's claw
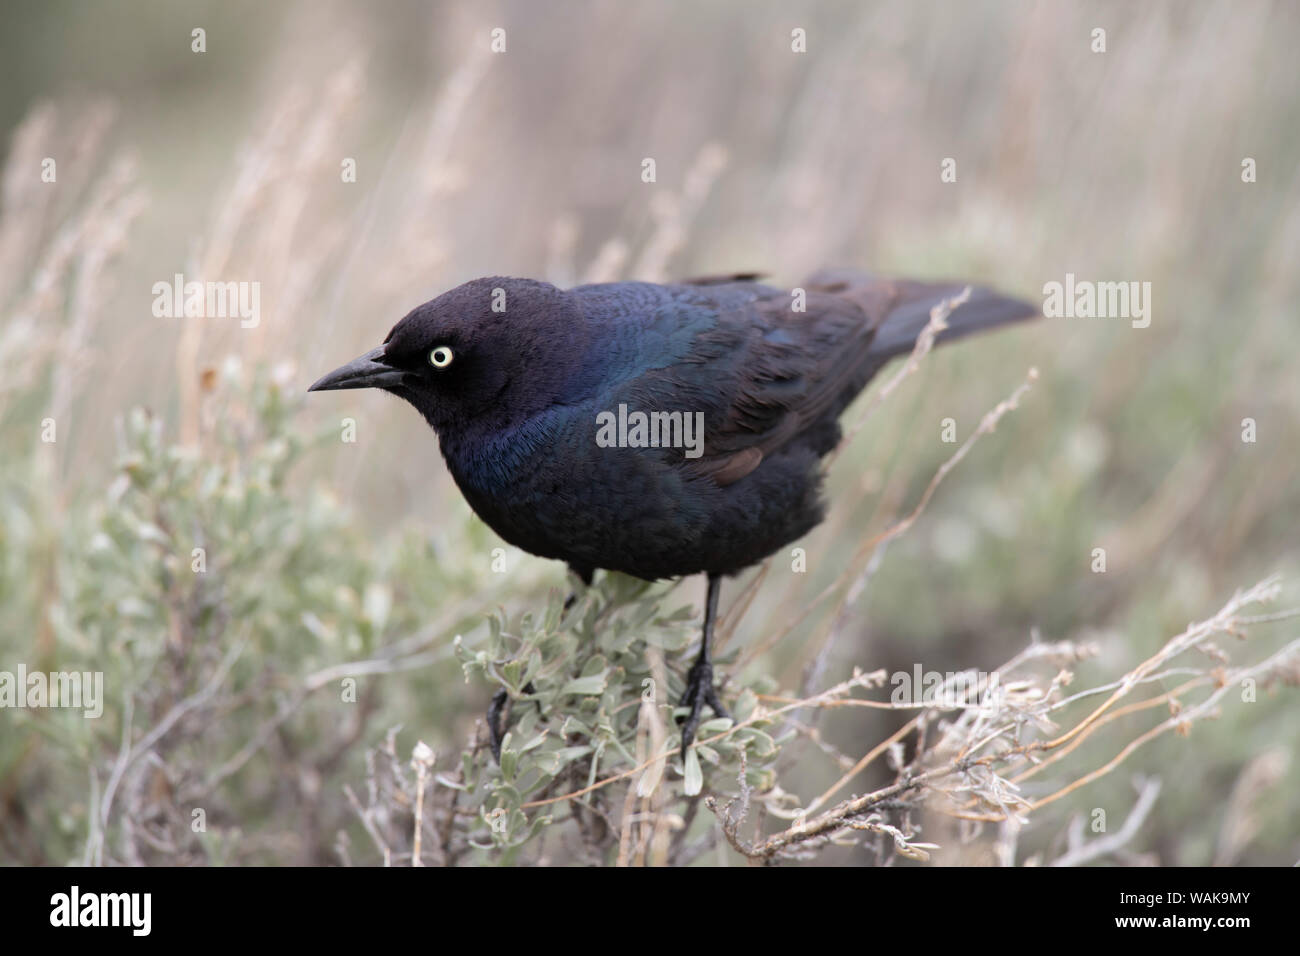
column 495, row 734
column 699, row 691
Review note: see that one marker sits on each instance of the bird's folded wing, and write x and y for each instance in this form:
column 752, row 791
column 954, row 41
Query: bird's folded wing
column 797, row 366
column 791, row 372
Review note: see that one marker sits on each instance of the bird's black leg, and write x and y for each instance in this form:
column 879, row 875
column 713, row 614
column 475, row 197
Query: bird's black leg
column 495, row 733
column 494, row 722
column 584, row 575
column 499, row 699
column 699, row 681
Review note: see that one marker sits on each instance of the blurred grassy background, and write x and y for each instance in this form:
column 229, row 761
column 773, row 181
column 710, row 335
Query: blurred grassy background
column 1117, row 165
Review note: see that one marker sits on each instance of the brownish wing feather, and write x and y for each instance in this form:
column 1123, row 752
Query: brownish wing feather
column 801, row 369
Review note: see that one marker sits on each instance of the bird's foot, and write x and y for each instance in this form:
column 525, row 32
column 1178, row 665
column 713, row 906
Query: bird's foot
column 495, row 733
column 699, row 691
column 499, row 700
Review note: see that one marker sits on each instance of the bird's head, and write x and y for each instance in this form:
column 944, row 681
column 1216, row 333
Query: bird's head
column 488, row 353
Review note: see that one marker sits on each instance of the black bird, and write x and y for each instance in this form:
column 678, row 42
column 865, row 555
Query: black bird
column 534, row 394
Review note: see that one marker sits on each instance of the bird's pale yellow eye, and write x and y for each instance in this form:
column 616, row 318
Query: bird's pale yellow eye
column 440, row 357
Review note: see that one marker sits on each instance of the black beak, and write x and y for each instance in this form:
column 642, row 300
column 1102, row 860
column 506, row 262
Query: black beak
column 369, row 371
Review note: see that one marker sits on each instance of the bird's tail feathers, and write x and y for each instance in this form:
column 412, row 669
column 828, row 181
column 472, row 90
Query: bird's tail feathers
column 899, row 309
